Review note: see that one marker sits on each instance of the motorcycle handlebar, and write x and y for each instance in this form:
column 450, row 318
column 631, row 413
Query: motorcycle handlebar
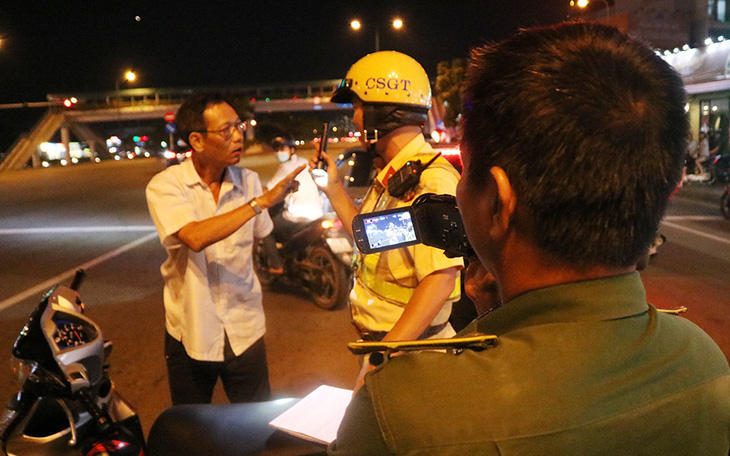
column 7, row 423
column 17, row 408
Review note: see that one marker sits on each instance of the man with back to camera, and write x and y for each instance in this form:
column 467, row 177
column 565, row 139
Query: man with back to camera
column 207, row 212
column 582, row 365
column 401, row 294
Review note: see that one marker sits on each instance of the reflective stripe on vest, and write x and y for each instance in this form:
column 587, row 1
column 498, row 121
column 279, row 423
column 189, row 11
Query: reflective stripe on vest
column 389, row 291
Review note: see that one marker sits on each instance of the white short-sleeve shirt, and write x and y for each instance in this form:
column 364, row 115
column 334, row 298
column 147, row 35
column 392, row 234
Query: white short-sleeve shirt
column 304, row 204
column 215, row 291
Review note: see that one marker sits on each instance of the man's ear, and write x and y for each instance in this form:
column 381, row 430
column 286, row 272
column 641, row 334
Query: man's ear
column 195, row 140
column 504, row 203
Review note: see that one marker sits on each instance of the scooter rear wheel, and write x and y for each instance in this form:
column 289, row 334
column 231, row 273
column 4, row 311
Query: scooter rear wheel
column 330, row 283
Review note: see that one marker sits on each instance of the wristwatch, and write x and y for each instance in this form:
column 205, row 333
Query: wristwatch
column 255, row 206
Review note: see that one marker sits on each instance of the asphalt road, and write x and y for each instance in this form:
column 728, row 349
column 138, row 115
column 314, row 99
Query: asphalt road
column 55, row 220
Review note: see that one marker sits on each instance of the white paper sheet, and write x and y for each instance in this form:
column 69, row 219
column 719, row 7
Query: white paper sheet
column 316, row 417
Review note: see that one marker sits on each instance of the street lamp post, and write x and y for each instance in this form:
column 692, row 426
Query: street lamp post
column 129, row 76
column 396, row 23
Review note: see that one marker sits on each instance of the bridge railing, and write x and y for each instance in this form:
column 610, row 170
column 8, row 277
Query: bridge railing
column 168, row 96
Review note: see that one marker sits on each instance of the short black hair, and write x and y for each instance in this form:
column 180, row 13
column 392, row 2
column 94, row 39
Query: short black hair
column 190, row 116
column 589, row 126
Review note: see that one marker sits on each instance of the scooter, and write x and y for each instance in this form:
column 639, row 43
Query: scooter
column 720, row 168
column 316, row 256
column 717, row 170
column 67, row 404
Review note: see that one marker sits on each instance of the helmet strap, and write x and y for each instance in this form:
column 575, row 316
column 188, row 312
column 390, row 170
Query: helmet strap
column 371, row 136
column 381, row 119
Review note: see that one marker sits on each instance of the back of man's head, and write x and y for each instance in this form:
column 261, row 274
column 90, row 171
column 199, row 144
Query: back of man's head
column 590, row 128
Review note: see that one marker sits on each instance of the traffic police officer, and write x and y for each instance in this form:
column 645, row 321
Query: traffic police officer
column 402, row 294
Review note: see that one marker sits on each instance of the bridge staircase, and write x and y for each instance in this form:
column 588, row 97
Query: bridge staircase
column 26, row 147
column 83, row 132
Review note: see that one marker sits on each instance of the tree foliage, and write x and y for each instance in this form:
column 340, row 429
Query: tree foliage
column 450, row 76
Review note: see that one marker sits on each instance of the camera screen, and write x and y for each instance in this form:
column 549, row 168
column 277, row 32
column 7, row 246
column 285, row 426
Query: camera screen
column 389, row 229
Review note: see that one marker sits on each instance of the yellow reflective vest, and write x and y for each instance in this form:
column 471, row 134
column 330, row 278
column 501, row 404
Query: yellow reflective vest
column 385, row 282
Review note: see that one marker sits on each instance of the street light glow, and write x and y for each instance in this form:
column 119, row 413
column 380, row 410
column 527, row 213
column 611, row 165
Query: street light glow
column 396, row 23
column 130, row 76
column 582, row 3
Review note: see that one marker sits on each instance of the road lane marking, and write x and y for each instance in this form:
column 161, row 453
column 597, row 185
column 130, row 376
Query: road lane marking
column 41, row 287
column 77, row 229
column 697, row 232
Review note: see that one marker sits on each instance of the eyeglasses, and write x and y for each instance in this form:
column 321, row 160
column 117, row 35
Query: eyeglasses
column 227, row 131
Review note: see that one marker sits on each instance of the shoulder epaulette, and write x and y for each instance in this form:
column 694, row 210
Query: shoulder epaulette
column 674, row 311
column 476, row 341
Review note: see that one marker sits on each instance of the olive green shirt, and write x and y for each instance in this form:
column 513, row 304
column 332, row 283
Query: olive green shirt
column 585, row 368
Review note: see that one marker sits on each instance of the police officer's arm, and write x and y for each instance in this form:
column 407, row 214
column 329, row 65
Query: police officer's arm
column 200, row 234
column 426, row 302
column 335, row 191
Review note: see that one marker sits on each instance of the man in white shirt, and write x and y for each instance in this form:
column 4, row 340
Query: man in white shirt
column 303, row 206
column 207, row 212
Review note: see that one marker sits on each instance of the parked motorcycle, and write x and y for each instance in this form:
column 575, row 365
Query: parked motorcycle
column 316, row 256
column 226, row 430
column 67, row 404
column 725, row 202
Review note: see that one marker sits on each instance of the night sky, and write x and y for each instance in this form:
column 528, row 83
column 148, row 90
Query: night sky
column 71, row 47
column 84, row 46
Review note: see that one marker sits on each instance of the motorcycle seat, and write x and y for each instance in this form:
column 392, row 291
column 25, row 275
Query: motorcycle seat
column 225, row 430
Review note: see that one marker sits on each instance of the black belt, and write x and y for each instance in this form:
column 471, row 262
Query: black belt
column 377, row 336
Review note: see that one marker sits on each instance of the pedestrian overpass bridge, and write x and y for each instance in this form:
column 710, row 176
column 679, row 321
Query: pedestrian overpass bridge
column 73, row 113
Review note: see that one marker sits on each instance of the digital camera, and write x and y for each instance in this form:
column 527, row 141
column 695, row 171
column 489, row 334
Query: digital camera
column 432, row 220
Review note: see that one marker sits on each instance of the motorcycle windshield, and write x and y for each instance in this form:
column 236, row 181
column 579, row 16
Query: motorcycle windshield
column 31, row 344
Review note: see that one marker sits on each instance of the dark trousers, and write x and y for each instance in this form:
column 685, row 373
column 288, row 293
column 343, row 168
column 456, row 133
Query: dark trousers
column 245, row 377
